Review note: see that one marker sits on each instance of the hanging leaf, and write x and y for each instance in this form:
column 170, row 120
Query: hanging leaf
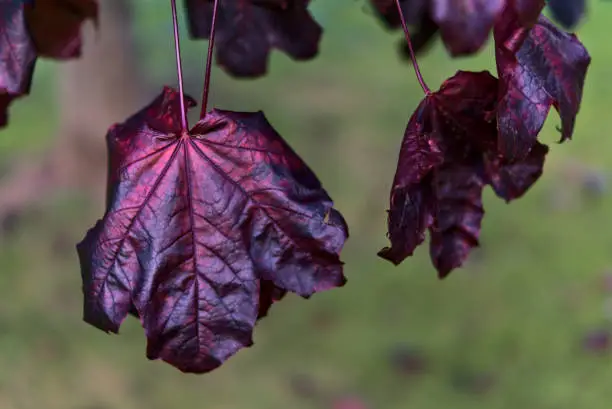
column 247, row 31
column 449, row 153
column 538, row 69
column 203, row 231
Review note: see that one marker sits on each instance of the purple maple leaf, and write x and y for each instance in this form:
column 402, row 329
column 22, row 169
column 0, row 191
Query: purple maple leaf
column 203, row 231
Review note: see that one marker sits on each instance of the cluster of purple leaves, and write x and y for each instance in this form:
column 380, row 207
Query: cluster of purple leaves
column 206, row 228
column 247, row 30
column 479, row 130
column 464, row 25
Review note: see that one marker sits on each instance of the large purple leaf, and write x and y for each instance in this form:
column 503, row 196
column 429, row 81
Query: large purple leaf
column 203, row 231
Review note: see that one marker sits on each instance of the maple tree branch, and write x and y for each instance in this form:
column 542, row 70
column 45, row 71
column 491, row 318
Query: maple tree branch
column 211, row 45
column 415, row 64
column 179, row 68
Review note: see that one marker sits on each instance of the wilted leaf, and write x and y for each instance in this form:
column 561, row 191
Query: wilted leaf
column 411, row 195
column 204, row 230
column 448, row 155
column 458, row 213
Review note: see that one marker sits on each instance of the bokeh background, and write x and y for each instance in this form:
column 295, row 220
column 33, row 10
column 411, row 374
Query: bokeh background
column 524, row 324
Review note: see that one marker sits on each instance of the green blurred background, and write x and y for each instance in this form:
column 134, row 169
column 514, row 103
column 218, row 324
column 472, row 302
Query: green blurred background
column 507, row 330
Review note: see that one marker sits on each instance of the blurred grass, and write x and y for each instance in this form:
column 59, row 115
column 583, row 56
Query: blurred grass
column 518, row 310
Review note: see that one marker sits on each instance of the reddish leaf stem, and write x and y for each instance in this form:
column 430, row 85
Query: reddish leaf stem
column 209, row 56
column 179, row 68
column 415, row 64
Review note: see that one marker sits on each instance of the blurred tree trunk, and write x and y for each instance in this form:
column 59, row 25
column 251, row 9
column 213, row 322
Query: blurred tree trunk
column 101, row 88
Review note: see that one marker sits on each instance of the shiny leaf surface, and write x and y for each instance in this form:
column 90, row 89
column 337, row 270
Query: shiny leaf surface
column 203, row 231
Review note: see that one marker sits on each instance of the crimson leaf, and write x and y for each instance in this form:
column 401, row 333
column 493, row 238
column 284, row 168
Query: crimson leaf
column 449, row 153
column 538, row 69
column 203, row 231
column 458, row 214
column 247, row 30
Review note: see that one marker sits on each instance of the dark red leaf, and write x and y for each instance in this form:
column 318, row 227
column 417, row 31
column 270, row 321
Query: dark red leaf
column 512, row 180
column 465, row 24
column 411, row 196
column 55, row 26
column 458, row 215
column 448, row 155
column 17, row 55
column 548, row 69
column 203, row 231
column 467, row 104
column 246, row 32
